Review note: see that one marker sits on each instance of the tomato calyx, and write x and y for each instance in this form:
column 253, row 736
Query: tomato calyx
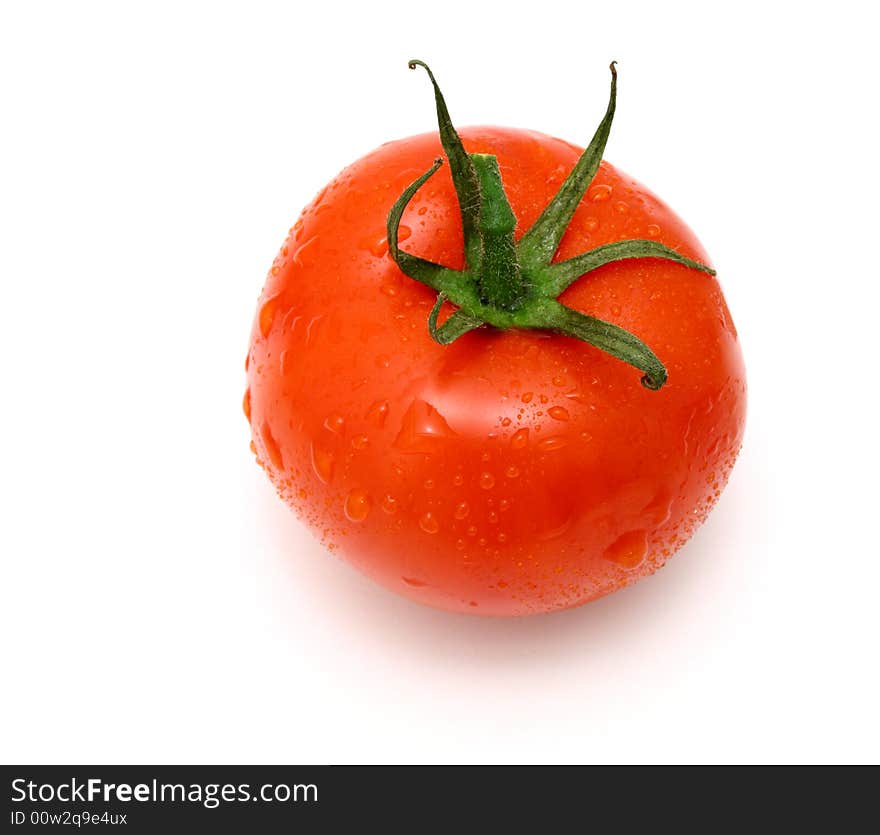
column 514, row 284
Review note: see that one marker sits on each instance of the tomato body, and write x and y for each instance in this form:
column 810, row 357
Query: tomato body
column 511, row 472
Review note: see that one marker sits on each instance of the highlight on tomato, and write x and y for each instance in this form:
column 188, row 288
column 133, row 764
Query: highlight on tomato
column 493, row 372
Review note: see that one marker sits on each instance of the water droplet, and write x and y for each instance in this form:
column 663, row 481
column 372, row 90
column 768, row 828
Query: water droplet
column 493, row 517
column 591, row 224
column 335, row 423
column 428, row 523
column 422, row 429
column 274, row 270
column 314, row 321
column 357, row 505
column 360, row 442
column 428, row 484
column 487, row 481
column 559, row 380
column 506, row 422
column 527, row 397
column 389, row 505
column 377, row 244
column 504, row 505
column 512, row 471
column 307, row 253
column 423, row 211
column 556, row 176
column 552, row 444
column 377, row 413
column 598, row 194
column 462, row 509
column 319, row 199
column 621, row 207
column 412, row 581
column 520, row 439
column 323, row 462
column 652, row 230
column 458, row 479
column 271, row 445
column 290, row 321
column 267, row 315
column 615, row 310
column 659, row 509
column 629, row 550
column 558, row 412
column 246, row 404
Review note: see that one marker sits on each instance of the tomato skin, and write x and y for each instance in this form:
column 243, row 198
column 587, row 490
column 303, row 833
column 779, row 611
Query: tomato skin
column 510, row 472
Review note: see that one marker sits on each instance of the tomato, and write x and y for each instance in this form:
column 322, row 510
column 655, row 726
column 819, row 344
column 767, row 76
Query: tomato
column 512, row 471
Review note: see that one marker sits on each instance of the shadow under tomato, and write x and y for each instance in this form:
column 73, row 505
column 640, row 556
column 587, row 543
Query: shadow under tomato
column 677, row 600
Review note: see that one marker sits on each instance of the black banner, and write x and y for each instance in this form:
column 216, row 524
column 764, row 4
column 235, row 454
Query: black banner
column 151, row 799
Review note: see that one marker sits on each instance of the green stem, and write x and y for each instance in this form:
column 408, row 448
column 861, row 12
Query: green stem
column 499, row 280
column 541, row 241
column 606, row 336
column 557, row 277
column 514, row 285
column 458, row 324
column 463, row 176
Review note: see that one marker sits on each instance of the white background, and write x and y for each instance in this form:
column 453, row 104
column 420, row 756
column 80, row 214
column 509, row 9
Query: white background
column 160, row 604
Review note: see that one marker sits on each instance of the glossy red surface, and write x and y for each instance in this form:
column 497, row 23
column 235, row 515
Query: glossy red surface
column 510, row 472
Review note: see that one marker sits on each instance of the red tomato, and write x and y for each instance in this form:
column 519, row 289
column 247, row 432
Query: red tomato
column 512, row 471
